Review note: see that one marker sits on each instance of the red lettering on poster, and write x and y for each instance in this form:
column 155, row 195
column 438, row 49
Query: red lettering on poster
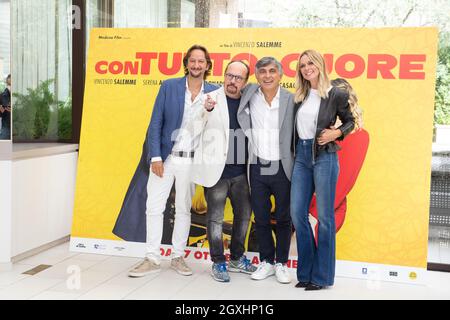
column 146, row 60
column 350, row 65
column 255, row 260
column 131, row 67
column 163, row 65
column 99, row 67
column 198, row 255
column 116, row 67
column 328, row 62
column 358, row 66
column 165, row 253
column 205, row 255
column 410, row 63
column 381, row 63
column 286, row 63
column 249, row 58
column 217, row 60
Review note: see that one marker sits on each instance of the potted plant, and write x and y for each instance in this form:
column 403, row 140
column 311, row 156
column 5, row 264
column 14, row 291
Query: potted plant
column 39, row 115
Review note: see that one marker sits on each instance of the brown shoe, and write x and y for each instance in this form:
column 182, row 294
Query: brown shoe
column 146, row 267
column 180, row 266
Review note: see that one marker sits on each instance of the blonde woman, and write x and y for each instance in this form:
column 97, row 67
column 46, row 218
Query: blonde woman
column 316, row 167
column 351, row 158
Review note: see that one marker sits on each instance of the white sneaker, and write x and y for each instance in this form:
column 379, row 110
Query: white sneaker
column 282, row 273
column 264, row 270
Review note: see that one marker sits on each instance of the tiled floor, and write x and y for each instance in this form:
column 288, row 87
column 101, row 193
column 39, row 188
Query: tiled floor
column 85, row 276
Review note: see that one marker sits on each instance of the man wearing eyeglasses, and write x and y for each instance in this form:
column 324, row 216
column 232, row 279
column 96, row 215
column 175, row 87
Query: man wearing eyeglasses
column 220, row 165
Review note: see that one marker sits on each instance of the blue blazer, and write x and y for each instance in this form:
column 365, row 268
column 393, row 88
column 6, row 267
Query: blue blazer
column 131, row 224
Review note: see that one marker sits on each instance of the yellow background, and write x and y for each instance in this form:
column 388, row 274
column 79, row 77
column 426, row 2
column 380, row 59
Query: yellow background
column 387, row 217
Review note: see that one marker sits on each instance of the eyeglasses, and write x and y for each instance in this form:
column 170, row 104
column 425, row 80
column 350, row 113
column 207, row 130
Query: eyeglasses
column 230, row 77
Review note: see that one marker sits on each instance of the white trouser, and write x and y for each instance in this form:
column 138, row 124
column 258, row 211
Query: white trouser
column 158, row 190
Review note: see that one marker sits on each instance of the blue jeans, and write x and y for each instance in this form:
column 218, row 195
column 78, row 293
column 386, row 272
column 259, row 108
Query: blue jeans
column 316, row 264
column 238, row 191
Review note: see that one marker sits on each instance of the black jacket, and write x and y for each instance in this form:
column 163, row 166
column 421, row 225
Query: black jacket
column 5, row 101
column 5, row 98
column 336, row 105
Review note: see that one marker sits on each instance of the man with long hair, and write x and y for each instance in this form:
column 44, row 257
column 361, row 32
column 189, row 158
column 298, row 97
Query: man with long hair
column 167, row 159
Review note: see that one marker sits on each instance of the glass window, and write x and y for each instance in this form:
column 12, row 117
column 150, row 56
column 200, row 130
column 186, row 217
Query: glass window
column 4, row 39
column 123, row 14
column 5, row 101
column 141, row 14
column 42, row 52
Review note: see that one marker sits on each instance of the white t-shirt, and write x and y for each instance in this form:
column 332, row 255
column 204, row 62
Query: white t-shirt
column 306, row 120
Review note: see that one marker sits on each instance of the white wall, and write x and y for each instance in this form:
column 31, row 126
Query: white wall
column 5, row 214
column 42, row 200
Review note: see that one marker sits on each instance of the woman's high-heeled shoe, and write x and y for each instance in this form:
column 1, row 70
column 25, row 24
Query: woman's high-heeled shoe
column 302, row 284
column 313, row 287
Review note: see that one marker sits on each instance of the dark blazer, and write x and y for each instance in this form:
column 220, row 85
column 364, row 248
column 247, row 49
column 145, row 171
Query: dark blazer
column 167, row 116
column 5, row 98
column 5, row 101
column 335, row 105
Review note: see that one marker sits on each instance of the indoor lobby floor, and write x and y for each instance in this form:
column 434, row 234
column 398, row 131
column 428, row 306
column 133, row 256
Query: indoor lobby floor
column 105, row 277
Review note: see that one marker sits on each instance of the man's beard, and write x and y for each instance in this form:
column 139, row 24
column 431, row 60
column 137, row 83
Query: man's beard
column 232, row 86
column 200, row 75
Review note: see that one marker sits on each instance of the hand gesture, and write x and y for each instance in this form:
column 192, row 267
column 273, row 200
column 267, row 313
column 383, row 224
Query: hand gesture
column 328, row 135
column 209, row 103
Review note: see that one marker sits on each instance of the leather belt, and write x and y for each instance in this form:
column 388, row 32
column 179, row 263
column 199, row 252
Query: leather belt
column 183, row 154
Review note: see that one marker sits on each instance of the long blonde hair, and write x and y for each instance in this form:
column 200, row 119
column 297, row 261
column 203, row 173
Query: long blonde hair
column 302, row 86
column 352, row 100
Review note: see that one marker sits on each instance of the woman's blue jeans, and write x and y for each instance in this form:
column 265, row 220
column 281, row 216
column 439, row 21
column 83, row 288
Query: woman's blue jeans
column 316, row 264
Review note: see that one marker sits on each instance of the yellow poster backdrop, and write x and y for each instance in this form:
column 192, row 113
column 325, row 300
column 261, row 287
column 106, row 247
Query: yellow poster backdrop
column 391, row 70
